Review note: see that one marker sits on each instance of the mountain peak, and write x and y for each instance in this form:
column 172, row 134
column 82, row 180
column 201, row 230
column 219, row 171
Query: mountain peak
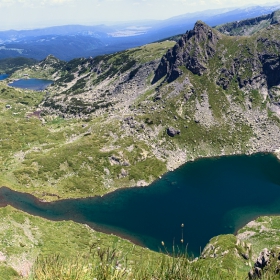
column 200, row 23
column 50, row 60
column 193, row 51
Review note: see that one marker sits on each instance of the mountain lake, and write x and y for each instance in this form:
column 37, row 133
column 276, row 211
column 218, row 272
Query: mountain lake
column 3, row 76
column 32, row 84
column 210, row 196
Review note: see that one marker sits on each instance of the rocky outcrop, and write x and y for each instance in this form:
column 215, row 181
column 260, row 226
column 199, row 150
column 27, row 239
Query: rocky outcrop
column 263, row 261
column 171, row 131
column 252, row 64
column 192, row 51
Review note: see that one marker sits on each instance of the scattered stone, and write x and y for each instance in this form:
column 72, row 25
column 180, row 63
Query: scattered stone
column 124, row 173
column 115, row 160
column 171, row 131
column 107, row 171
column 125, row 163
column 255, row 273
column 158, row 97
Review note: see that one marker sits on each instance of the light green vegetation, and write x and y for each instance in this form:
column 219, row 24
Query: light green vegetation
column 55, row 157
column 68, row 158
column 262, row 233
column 67, row 250
column 24, row 238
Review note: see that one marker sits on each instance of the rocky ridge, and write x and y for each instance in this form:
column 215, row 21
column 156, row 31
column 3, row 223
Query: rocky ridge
column 249, row 26
column 193, row 51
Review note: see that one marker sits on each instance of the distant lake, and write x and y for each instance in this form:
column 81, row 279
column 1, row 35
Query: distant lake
column 3, row 76
column 32, row 84
column 209, row 196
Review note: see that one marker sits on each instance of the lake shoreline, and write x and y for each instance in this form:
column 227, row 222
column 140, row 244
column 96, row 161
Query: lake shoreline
column 52, row 197
column 121, row 212
column 30, row 83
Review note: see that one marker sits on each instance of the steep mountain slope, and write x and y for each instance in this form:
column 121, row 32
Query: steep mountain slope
column 181, row 23
column 150, row 110
column 80, row 155
column 213, row 76
column 249, row 26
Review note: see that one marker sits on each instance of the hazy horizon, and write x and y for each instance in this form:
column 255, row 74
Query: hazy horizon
column 32, row 14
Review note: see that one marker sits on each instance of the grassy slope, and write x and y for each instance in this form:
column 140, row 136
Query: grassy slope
column 64, row 249
column 73, row 157
column 24, row 237
column 68, row 158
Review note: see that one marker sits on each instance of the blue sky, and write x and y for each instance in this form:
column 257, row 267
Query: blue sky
column 27, row 14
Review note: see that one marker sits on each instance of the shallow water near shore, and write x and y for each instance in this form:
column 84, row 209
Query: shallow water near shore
column 209, row 196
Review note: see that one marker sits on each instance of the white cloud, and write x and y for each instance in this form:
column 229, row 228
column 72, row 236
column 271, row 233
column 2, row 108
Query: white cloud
column 32, row 3
column 25, row 13
column 6, row 3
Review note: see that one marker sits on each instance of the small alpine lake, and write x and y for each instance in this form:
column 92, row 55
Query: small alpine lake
column 3, row 76
column 32, row 84
column 210, row 196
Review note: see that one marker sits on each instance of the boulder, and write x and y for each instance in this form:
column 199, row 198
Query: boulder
column 171, row 131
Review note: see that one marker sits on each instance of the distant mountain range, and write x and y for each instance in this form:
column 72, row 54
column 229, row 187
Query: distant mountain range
column 71, row 41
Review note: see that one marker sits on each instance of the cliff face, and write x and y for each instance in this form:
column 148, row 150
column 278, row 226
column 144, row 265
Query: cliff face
column 192, row 51
column 250, row 62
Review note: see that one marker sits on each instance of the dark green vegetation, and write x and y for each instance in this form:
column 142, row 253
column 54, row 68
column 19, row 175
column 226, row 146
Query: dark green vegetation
column 10, row 65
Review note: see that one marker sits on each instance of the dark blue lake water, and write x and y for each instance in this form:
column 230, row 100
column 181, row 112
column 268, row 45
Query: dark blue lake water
column 209, row 196
column 3, row 76
column 32, row 84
